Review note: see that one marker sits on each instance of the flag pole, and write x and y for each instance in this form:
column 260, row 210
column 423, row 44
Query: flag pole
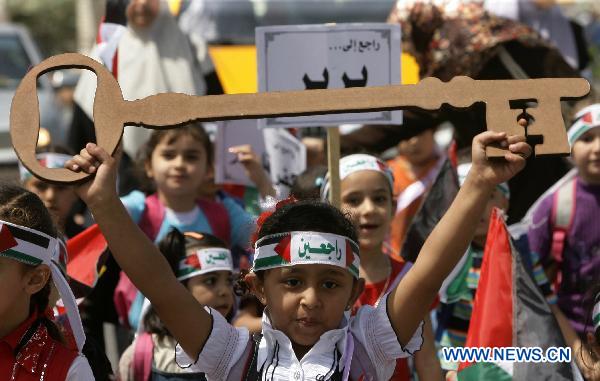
column 333, row 163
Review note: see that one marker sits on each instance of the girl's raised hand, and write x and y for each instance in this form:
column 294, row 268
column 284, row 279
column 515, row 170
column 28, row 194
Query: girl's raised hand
column 101, row 187
column 254, row 170
column 490, row 172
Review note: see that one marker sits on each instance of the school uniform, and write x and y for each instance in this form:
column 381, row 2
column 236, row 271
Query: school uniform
column 364, row 347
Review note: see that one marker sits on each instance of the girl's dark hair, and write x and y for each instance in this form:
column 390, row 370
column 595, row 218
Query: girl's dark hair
column 303, row 215
column 195, row 130
column 174, row 246
column 22, row 207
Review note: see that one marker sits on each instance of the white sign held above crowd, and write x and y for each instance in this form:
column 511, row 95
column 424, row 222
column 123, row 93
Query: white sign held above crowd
column 298, row 57
column 287, row 158
column 228, row 169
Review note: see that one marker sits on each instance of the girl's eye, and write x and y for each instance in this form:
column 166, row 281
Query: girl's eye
column 191, row 157
column 168, row 155
column 210, row 281
column 353, row 201
column 380, row 199
column 291, row 282
column 330, row 285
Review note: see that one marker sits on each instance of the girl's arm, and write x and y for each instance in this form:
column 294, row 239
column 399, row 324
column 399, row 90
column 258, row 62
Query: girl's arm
column 409, row 302
column 141, row 260
column 426, row 359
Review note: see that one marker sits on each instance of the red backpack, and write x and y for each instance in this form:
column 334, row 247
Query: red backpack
column 150, row 223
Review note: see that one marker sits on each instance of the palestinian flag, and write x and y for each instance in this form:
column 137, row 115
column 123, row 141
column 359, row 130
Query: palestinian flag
column 436, row 203
column 510, row 311
column 87, row 252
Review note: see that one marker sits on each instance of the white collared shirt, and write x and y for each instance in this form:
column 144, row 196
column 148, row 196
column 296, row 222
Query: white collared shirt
column 374, row 344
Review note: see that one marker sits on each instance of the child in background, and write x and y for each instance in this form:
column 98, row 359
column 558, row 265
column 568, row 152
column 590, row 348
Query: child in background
column 306, row 273
column 414, row 171
column 59, row 199
column 565, row 230
column 203, row 264
column 177, row 162
column 366, row 185
column 31, row 345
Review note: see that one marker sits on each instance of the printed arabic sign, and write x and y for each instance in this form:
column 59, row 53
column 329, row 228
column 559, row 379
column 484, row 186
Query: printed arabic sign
column 233, row 133
column 300, row 57
column 287, row 158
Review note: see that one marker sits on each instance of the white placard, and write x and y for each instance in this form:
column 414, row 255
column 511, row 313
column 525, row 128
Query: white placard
column 287, row 158
column 233, row 133
column 299, row 57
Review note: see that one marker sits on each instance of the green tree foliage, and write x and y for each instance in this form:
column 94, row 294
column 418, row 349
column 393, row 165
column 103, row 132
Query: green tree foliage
column 51, row 23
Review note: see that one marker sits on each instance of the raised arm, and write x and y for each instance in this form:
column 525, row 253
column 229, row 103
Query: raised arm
column 141, row 260
column 409, row 302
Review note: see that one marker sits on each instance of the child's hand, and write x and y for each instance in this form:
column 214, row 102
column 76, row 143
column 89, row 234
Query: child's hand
column 254, row 170
column 490, row 173
column 101, row 187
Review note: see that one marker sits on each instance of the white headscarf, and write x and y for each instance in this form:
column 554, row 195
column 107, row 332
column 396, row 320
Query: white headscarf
column 153, row 60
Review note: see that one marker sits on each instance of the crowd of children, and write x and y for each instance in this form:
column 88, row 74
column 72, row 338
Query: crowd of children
column 325, row 297
column 205, row 290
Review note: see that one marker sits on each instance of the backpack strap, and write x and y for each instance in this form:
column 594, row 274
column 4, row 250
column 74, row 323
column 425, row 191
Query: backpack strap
column 142, row 357
column 218, row 219
column 563, row 213
column 152, row 217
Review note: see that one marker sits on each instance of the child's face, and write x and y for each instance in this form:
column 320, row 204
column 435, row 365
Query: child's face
column 178, row 165
column 419, row 149
column 586, row 156
column 141, row 13
column 366, row 195
column 17, row 283
column 11, row 286
column 213, row 289
column 305, row 301
column 59, row 199
column 497, row 200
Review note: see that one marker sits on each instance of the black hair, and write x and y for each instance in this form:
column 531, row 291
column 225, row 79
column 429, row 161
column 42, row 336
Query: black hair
column 175, row 246
column 308, row 184
column 195, row 130
column 22, row 207
column 308, row 215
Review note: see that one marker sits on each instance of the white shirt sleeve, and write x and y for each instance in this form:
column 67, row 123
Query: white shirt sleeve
column 372, row 328
column 220, row 353
column 80, row 370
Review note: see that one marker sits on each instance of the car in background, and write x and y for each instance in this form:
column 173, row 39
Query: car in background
column 18, row 54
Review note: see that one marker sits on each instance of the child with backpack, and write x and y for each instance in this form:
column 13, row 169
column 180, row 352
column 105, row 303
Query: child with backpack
column 32, row 346
column 306, row 273
column 203, row 264
column 176, row 163
column 366, row 194
column 565, row 230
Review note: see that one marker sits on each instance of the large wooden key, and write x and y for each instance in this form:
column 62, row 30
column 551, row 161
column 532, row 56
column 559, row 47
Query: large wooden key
column 112, row 112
